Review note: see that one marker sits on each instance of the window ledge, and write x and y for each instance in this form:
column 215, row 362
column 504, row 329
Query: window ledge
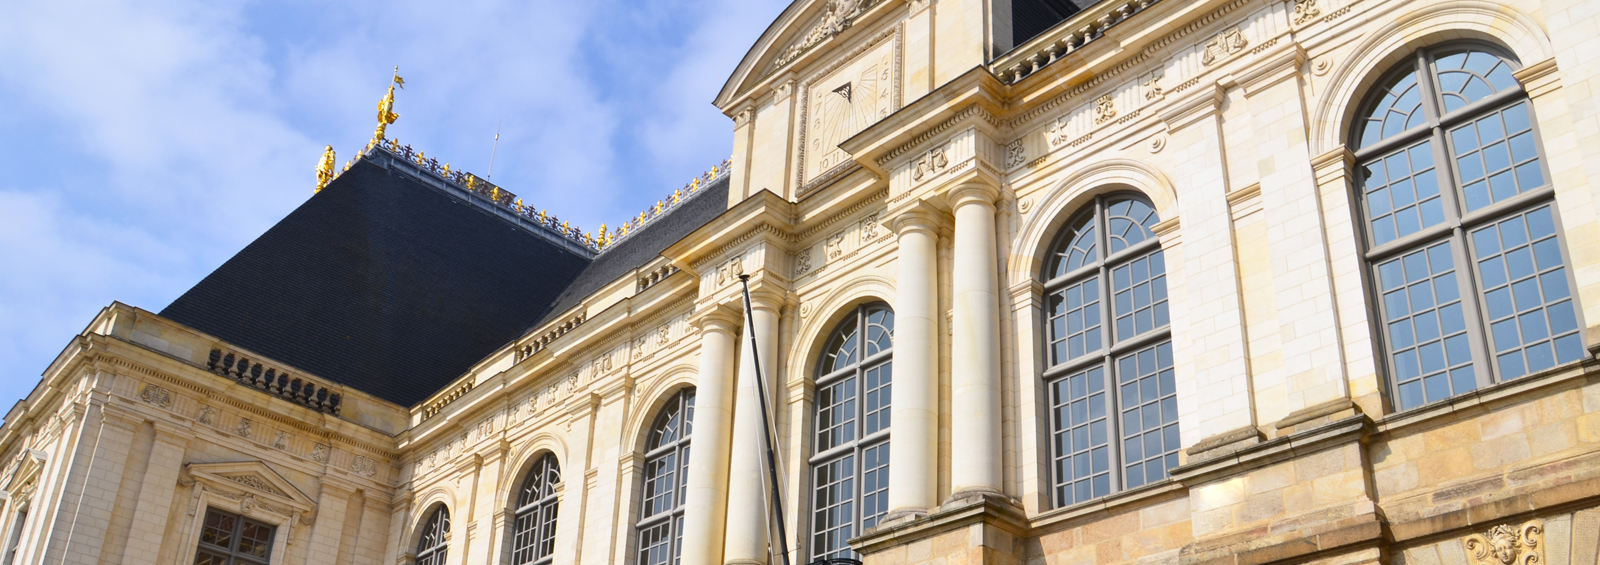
column 1484, row 399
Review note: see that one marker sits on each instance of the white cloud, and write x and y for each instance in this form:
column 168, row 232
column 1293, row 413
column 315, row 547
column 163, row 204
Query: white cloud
column 152, row 139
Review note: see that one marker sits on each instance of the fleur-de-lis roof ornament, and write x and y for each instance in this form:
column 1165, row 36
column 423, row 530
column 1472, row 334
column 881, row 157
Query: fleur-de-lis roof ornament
column 713, row 172
column 694, row 184
column 677, row 195
column 658, row 207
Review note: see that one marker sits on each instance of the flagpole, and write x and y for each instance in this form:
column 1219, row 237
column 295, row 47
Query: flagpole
column 766, row 423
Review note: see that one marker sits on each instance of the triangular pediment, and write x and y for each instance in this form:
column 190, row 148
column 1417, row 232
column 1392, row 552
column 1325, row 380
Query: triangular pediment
column 252, row 477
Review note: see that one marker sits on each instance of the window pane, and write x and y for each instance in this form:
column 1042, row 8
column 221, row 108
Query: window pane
column 1140, row 290
column 836, row 414
column 1150, row 418
column 832, row 514
column 1497, row 157
column 1530, row 310
column 1425, row 331
column 1468, row 76
column 1128, row 222
column 1077, row 328
column 877, row 398
column 874, row 484
column 1080, row 452
column 1077, row 247
column 1401, row 193
column 1398, row 109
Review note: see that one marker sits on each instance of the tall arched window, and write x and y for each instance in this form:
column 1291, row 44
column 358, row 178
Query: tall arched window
column 1462, row 237
column 1109, row 353
column 434, row 546
column 534, row 540
column 850, row 467
column 665, row 466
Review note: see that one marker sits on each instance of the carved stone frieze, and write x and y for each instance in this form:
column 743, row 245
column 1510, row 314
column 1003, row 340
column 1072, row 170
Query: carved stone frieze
column 281, row 440
column 730, row 270
column 207, row 415
column 319, row 453
column 836, row 17
column 256, row 482
column 835, row 245
column 802, row 262
column 1508, row 545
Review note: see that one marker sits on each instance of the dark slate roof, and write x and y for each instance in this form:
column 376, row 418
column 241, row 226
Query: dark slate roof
column 391, row 286
column 645, row 245
column 1030, row 18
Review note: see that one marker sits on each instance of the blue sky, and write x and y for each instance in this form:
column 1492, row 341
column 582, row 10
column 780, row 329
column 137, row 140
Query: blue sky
column 146, row 141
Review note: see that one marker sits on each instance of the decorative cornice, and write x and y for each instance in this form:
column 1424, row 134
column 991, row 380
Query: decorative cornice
column 971, row 111
column 847, row 212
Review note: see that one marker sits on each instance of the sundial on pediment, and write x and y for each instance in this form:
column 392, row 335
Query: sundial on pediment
column 842, row 102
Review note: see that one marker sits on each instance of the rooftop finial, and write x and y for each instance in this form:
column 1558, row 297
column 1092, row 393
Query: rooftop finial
column 386, row 113
column 325, row 169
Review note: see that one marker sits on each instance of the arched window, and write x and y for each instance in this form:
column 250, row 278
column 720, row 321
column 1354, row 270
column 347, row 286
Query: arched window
column 1109, row 354
column 665, row 465
column 434, row 546
column 1463, row 244
column 534, row 540
column 850, row 467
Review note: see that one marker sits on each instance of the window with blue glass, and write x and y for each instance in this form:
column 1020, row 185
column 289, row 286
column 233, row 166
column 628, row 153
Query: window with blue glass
column 1461, row 228
column 850, row 461
column 533, row 538
column 1111, row 388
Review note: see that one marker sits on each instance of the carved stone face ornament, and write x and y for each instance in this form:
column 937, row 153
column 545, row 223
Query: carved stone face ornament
column 1508, row 545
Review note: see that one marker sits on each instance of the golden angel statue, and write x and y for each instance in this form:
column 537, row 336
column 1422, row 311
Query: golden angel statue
column 325, row 168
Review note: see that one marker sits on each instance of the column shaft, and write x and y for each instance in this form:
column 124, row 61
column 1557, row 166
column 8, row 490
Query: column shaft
column 706, row 499
column 748, row 486
column 975, row 346
column 913, row 462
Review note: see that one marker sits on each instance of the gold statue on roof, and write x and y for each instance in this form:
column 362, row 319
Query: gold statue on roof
column 677, row 195
column 325, row 169
column 386, row 113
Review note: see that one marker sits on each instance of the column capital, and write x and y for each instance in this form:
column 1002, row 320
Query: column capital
column 720, row 318
column 919, row 216
column 973, row 191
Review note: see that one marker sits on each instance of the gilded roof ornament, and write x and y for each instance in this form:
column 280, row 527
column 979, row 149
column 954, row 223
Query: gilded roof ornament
column 325, row 169
column 386, row 113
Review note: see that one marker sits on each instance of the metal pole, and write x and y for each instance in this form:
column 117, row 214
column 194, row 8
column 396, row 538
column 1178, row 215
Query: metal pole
column 766, row 423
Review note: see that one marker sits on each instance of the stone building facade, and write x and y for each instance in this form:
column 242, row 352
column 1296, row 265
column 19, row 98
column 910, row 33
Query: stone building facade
column 1157, row 282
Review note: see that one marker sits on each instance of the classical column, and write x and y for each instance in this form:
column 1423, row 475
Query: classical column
column 705, row 502
column 748, row 486
column 914, row 461
column 975, row 434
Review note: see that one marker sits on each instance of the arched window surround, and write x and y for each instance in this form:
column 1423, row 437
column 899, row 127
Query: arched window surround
column 1095, row 351
column 658, row 526
column 850, row 426
column 1451, row 337
column 535, row 507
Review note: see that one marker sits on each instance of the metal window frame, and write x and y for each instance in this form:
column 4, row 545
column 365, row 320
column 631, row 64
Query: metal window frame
column 679, row 449
column 234, row 537
column 862, row 441
column 1458, row 223
column 1112, row 346
column 535, row 508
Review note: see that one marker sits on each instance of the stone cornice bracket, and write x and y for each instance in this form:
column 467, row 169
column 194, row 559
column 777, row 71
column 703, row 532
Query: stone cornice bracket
column 1282, row 63
column 1539, row 78
column 1204, row 103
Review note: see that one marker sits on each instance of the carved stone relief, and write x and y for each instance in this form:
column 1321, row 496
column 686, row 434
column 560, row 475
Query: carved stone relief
column 1105, row 109
column 363, row 466
column 206, row 415
column 1228, row 42
column 1508, row 545
column 1152, row 85
column 869, row 228
column 835, row 245
column 156, row 395
column 1305, row 11
column 730, row 270
column 281, row 441
column 802, row 262
column 1015, row 154
column 256, row 482
column 663, row 335
column 932, row 162
column 319, row 453
column 243, row 428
